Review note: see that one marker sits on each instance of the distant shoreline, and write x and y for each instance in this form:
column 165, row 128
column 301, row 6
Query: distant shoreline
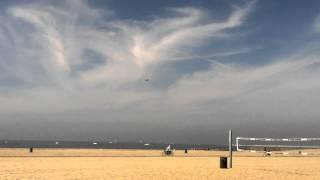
column 104, row 145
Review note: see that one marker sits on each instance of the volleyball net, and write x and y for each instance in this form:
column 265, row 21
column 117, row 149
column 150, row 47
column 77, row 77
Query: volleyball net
column 286, row 146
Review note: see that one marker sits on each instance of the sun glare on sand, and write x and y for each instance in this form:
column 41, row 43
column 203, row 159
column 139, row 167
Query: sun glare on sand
column 149, row 164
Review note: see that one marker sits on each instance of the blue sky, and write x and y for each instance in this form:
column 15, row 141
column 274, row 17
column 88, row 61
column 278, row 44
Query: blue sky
column 77, row 69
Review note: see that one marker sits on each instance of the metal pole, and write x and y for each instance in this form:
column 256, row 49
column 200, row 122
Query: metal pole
column 237, row 143
column 230, row 148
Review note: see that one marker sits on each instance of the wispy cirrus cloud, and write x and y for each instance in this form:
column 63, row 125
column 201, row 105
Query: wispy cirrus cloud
column 176, row 35
column 70, row 47
column 233, row 81
column 56, row 39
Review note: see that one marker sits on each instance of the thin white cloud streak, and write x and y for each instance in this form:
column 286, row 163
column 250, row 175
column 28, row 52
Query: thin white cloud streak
column 215, row 55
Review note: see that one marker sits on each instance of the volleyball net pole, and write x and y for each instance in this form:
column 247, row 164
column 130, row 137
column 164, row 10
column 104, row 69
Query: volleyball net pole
column 230, row 148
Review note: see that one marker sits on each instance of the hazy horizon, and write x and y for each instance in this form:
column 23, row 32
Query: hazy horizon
column 159, row 71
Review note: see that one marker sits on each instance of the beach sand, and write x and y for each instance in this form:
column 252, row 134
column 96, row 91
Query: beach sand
column 149, row 164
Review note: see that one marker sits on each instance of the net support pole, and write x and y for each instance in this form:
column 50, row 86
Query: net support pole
column 237, row 143
column 230, row 148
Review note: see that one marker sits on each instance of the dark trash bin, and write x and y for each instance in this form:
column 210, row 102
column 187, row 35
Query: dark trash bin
column 223, row 162
column 186, row 151
column 31, row 150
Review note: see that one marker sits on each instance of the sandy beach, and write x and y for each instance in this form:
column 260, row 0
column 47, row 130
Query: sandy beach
column 148, row 164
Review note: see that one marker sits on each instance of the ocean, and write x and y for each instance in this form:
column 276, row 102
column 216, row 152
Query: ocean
column 103, row 145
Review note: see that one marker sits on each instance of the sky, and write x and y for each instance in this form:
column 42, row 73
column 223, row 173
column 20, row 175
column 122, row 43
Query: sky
column 159, row 71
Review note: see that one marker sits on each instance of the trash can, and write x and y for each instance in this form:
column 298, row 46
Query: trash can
column 31, row 149
column 186, row 151
column 223, row 162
